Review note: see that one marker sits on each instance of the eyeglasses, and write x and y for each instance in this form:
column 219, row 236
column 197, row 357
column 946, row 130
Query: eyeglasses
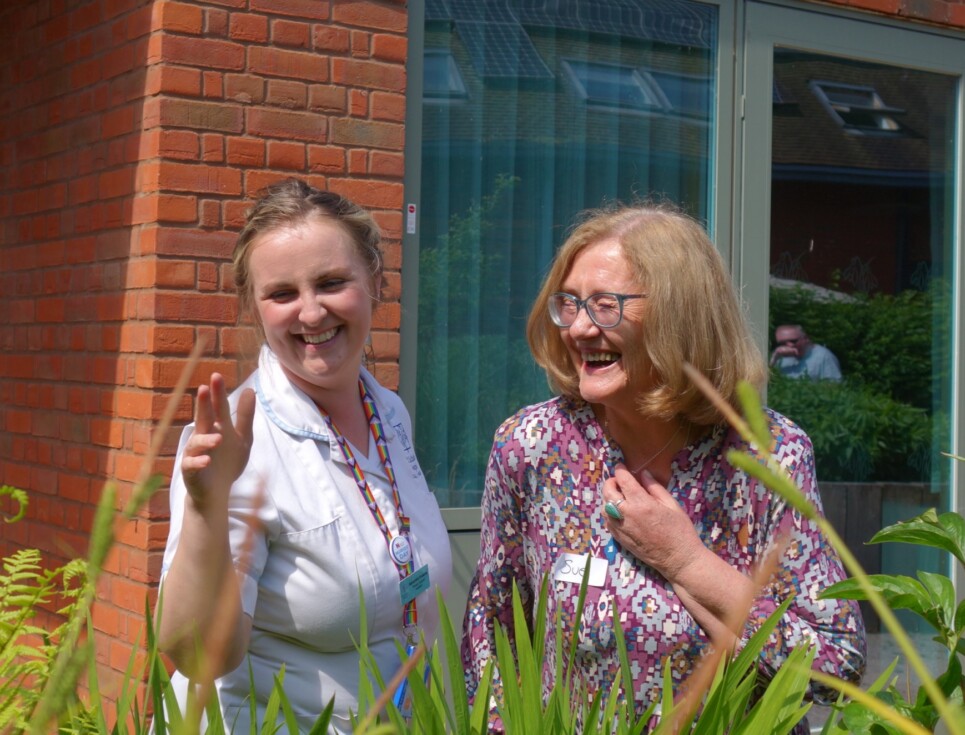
column 604, row 309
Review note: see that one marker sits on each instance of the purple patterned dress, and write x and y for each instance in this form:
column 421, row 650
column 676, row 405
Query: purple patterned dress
column 542, row 498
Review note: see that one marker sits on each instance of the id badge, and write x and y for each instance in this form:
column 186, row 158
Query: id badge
column 569, row 567
column 414, row 584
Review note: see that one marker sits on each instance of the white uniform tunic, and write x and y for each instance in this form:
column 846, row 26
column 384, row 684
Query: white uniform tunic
column 306, row 544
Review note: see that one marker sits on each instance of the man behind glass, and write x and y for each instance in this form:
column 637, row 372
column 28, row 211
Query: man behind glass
column 796, row 356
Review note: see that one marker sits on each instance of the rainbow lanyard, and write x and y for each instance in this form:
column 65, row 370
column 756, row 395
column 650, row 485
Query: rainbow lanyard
column 410, row 616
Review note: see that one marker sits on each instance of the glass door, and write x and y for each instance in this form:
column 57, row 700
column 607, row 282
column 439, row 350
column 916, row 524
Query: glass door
column 519, row 117
column 529, row 115
column 849, row 235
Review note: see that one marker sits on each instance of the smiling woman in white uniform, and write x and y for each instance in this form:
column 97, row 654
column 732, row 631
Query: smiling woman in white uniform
column 301, row 488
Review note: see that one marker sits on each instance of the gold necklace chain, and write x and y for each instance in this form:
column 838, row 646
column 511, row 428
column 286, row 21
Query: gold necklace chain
column 656, row 454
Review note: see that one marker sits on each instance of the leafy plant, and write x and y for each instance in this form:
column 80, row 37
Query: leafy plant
column 884, row 342
column 939, row 699
column 722, row 696
column 733, row 701
column 931, row 597
column 28, row 651
column 858, row 435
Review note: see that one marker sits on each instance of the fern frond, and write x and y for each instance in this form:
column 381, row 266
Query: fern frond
column 19, row 497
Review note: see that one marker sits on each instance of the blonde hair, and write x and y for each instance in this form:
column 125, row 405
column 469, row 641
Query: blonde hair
column 692, row 310
column 290, row 202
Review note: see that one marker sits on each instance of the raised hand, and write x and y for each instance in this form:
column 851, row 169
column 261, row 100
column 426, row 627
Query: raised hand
column 217, row 452
column 654, row 528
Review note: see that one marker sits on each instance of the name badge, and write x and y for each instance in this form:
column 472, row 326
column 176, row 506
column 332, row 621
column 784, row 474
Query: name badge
column 415, row 584
column 569, row 567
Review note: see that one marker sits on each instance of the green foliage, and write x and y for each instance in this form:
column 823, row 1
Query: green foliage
column 883, row 709
column 885, row 343
column 876, row 425
column 932, row 597
column 734, row 702
column 44, row 690
column 858, row 435
column 40, row 669
column 28, row 651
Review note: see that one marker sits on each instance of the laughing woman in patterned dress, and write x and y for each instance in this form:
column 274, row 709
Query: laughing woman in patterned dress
column 627, row 464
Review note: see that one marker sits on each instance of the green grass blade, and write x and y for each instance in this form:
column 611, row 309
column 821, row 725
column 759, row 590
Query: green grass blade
column 780, row 707
column 444, row 692
column 270, row 724
column 479, row 714
column 529, row 667
column 748, row 655
column 460, row 699
column 667, row 706
column 428, row 717
column 577, row 621
column 540, row 621
column 100, row 721
column 320, row 726
column 291, row 722
column 626, row 677
column 510, row 709
column 778, row 482
column 757, row 422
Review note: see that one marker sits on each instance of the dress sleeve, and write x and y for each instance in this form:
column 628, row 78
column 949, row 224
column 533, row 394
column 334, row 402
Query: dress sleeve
column 501, row 564
column 808, row 566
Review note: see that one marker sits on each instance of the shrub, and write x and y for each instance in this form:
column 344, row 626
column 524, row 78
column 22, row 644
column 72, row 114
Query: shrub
column 932, row 598
column 884, row 343
column 880, row 423
column 858, row 435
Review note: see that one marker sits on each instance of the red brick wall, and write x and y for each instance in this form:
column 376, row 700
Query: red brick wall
column 132, row 132
column 933, row 12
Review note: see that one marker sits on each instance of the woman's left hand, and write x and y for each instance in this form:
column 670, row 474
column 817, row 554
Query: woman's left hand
column 657, row 531
column 654, row 528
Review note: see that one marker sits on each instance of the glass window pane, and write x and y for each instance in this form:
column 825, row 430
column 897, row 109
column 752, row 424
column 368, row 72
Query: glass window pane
column 559, row 113
column 612, row 85
column 441, row 77
column 686, row 94
column 861, row 258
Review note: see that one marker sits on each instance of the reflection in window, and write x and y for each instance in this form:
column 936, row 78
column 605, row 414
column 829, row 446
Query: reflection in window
column 862, row 256
column 610, row 85
column 441, row 77
column 780, row 96
column 506, row 171
column 857, row 108
column 685, row 94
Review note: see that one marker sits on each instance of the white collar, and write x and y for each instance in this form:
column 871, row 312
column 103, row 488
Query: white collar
column 291, row 409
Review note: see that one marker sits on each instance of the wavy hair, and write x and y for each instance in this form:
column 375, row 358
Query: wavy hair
column 692, row 310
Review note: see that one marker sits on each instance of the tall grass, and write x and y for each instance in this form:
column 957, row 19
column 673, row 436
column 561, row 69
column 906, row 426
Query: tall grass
column 40, row 670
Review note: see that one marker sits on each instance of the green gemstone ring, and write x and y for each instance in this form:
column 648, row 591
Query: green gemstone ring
column 613, row 509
